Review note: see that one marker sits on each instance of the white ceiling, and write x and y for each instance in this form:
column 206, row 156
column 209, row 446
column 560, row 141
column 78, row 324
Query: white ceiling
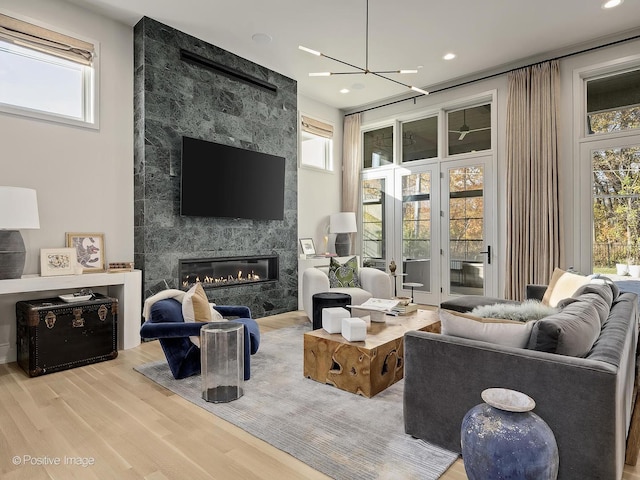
column 403, row 34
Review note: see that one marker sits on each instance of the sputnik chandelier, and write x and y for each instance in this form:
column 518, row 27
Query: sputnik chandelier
column 361, row 70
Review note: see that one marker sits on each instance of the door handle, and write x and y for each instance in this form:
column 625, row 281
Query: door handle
column 488, row 252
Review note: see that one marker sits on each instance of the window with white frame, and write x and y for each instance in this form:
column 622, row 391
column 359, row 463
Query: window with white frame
column 613, row 103
column 46, row 74
column 317, row 144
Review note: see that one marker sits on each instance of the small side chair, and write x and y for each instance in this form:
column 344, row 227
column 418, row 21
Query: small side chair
column 167, row 324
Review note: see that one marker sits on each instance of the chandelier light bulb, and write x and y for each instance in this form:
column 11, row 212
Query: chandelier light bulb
column 611, row 4
column 419, row 90
column 308, row 50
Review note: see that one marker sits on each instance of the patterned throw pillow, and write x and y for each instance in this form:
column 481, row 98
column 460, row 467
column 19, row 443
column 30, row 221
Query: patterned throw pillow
column 344, row 275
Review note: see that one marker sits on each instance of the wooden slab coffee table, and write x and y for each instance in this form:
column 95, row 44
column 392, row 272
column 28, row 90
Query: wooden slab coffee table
column 367, row 367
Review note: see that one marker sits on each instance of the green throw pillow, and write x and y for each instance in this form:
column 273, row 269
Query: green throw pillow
column 344, row 275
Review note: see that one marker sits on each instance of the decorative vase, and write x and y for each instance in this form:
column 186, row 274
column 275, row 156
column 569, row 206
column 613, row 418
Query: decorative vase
column 392, row 267
column 622, row 269
column 503, row 439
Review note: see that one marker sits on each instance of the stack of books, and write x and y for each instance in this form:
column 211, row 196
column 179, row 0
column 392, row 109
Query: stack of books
column 405, row 309
column 390, row 307
column 116, row 267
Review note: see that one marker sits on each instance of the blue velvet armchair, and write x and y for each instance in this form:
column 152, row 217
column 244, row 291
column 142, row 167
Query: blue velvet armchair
column 167, row 324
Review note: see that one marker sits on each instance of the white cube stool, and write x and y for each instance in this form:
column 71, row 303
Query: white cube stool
column 354, row 329
column 332, row 318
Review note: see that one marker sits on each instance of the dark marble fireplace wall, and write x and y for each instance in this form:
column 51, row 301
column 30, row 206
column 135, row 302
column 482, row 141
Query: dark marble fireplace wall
column 174, row 99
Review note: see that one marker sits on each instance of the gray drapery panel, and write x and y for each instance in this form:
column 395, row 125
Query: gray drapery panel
column 351, row 165
column 533, row 206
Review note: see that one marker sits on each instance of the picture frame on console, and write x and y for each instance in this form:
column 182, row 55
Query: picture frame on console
column 90, row 251
column 308, row 247
column 57, row 261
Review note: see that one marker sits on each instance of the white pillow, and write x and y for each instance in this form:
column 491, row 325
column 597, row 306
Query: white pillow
column 216, row 316
column 508, row 334
column 562, row 285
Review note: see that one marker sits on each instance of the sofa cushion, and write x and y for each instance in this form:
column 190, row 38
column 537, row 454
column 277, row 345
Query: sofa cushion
column 594, row 299
column 599, row 279
column 344, row 274
column 571, row 332
column 602, row 290
column 358, row 295
column 527, row 310
column 466, row 303
column 562, row 285
column 501, row 332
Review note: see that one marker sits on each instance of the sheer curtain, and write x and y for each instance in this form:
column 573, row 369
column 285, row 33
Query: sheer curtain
column 351, row 165
column 533, row 207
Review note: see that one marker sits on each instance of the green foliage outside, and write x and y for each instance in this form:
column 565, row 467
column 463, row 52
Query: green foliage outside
column 616, row 193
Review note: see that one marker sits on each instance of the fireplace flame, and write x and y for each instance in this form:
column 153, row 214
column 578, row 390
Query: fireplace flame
column 251, row 277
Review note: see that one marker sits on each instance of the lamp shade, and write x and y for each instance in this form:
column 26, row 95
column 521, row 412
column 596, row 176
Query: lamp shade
column 18, row 208
column 343, row 222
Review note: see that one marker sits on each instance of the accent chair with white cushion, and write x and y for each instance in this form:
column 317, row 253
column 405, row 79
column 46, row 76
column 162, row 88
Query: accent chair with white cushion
column 373, row 283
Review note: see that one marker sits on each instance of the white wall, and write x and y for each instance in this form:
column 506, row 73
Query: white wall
column 84, row 177
column 319, row 192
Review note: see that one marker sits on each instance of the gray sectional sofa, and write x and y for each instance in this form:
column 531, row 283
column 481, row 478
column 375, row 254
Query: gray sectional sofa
column 585, row 400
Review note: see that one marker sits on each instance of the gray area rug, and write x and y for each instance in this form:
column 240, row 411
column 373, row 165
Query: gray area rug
column 343, row 435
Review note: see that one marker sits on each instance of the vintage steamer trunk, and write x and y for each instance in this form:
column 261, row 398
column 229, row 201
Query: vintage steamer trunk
column 54, row 335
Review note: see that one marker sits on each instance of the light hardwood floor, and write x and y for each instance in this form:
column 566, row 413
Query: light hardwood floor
column 129, row 427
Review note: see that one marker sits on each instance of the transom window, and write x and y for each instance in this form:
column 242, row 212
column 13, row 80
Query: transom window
column 317, row 144
column 420, row 139
column 469, row 129
column 613, row 103
column 378, row 147
column 45, row 74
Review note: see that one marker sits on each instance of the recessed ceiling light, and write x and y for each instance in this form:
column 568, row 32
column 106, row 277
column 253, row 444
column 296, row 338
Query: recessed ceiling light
column 344, row 90
column 262, row 38
column 612, row 4
column 449, row 56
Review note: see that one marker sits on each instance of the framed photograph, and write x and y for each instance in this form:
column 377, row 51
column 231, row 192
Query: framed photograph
column 89, row 248
column 308, row 248
column 57, row 261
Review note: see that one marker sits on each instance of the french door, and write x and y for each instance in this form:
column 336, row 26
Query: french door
column 468, row 214
column 435, row 222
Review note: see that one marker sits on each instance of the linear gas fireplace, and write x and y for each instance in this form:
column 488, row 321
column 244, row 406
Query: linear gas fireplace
column 228, row 271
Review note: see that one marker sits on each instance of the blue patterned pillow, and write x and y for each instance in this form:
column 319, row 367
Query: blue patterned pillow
column 344, row 275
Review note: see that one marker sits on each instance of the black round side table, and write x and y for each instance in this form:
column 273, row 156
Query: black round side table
column 326, row 300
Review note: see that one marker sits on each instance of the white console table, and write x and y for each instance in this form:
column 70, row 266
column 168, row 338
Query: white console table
column 125, row 286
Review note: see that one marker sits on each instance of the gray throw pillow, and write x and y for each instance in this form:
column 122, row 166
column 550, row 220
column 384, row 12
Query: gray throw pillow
column 601, row 289
column 571, row 332
column 594, row 299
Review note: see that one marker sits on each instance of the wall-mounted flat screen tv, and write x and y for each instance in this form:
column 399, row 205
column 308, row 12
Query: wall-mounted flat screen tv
column 222, row 181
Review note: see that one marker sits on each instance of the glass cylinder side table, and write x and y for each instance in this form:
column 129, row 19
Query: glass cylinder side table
column 222, row 361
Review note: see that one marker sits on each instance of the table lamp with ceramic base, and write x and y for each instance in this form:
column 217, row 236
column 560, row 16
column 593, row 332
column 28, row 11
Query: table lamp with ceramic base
column 18, row 210
column 343, row 224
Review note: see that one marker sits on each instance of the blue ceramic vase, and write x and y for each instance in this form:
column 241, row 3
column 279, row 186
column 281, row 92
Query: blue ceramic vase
column 503, row 439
